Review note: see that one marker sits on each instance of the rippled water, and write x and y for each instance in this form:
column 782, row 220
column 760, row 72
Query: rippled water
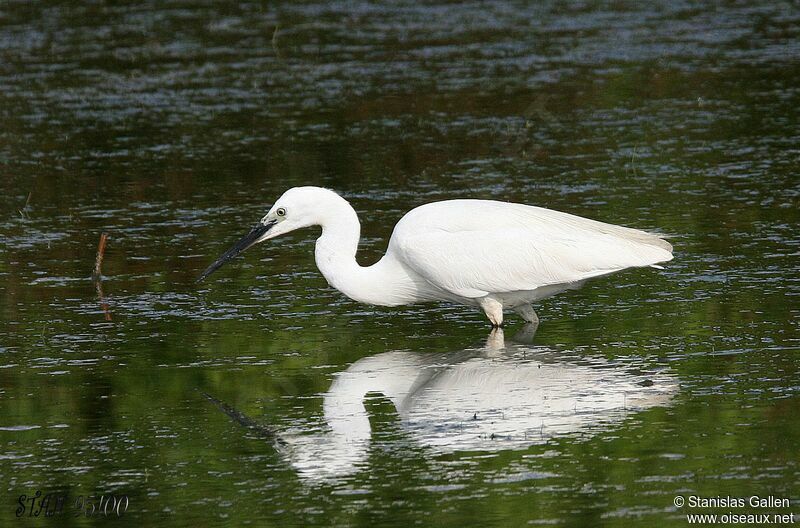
column 263, row 396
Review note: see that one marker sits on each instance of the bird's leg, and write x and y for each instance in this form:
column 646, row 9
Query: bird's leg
column 526, row 312
column 493, row 310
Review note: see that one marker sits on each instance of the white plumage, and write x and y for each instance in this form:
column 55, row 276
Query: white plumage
column 474, row 248
column 495, row 255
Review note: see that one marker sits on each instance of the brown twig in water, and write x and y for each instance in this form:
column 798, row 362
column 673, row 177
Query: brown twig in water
column 97, row 275
column 101, row 251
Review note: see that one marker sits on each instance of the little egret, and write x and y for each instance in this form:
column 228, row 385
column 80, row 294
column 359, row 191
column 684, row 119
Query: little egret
column 484, row 253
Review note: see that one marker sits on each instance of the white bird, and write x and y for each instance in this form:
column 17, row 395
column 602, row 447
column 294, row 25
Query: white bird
column 490, row 254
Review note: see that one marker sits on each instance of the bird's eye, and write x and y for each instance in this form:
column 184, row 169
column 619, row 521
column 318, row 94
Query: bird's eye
column 281, row 211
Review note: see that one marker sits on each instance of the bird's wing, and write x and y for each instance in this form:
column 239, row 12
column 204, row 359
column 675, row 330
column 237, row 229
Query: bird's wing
column 475, row 247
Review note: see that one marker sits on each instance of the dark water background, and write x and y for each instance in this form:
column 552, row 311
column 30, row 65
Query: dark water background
column 173, row 126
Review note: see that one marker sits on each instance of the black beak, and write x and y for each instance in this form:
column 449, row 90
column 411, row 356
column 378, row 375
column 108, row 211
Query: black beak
column 246, row 241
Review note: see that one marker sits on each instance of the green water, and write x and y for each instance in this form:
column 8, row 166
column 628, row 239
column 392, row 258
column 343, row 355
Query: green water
column 173, row 128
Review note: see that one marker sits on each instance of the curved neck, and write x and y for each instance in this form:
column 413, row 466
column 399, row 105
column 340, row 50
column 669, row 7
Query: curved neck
column 341, row 229
column 385, row 283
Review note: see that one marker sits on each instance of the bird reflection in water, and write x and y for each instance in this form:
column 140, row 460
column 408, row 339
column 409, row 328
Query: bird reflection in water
column 503, row 395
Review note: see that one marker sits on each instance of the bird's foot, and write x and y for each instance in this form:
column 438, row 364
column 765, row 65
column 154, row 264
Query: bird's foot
column 493, row 310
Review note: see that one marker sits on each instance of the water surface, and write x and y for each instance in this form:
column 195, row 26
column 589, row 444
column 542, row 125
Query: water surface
column 173, row 126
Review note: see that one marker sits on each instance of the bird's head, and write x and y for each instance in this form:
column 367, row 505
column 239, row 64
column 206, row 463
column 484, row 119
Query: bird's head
column 298, row 207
